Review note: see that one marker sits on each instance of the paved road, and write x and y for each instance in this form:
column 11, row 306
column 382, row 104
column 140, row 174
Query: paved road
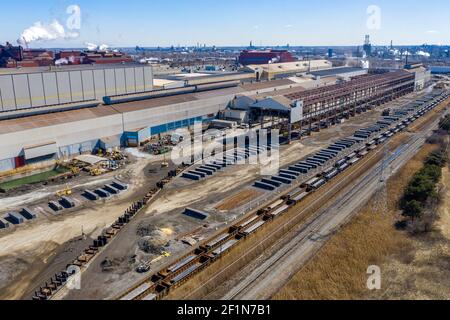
column 276, row 271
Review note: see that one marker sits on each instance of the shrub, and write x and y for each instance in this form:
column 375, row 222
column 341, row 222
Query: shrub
column 437, row 158
column 413, row 210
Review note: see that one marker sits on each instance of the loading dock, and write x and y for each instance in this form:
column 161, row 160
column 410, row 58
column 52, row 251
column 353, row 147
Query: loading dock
column 67, row 202
column 295, row 173
column 14, row 218
column 28, row 214
column 265, row 186
column 205, row 171
column 90, row 195
column 4, row 224
column 299, row 169
column 55, row 206
column 271, row 182
column 111, row 189
column 191, row 176
column 197, row 214
column 287, row 176
column 102, row 193
column 120, row 186
column 281, row 179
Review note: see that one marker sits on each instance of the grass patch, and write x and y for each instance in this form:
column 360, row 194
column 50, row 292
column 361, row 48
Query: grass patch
column 36, row 178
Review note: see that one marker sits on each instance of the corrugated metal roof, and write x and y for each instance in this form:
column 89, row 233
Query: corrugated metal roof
column 335, row 71
column 272, row 104
column 267, row 84
column 51, row 119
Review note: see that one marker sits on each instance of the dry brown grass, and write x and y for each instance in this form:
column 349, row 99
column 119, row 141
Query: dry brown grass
column 237, row 200
column 338, row 271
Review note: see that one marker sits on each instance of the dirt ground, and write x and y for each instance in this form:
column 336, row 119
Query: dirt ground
column 412, row 268
column 238, row 199
column 42, row 247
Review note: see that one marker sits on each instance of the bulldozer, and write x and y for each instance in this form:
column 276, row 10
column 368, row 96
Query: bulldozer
column 96, row 172
column 75, row 170
column 65, row 192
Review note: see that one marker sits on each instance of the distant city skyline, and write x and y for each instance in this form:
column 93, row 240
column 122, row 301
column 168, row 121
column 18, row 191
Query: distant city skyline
column 225, row 23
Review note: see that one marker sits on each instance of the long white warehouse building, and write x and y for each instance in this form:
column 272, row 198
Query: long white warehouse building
column 39, row 137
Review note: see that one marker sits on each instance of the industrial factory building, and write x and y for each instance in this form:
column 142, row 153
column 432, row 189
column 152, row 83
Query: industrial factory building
column 18, row 57
column 32, row 133
column 249, row 57
column 282, row 70
column 326, row 103
column 344, row 73
column 35, row 128
column 422, row 75
column 31, row 89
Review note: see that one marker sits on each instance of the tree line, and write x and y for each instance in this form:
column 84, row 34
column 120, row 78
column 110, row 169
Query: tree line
column 422, row 188
column 421, row 194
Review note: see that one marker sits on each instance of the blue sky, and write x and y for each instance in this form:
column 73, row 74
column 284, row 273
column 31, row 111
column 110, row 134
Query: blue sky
column 233, row 22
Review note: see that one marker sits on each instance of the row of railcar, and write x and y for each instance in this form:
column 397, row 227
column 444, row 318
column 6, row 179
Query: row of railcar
column 212, row 249
column 320, row 159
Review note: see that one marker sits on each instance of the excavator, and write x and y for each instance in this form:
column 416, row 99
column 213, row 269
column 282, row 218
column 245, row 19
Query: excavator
column 145, row 267
column 70, row 166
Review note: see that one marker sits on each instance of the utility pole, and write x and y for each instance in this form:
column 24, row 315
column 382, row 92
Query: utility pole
column 383, row 164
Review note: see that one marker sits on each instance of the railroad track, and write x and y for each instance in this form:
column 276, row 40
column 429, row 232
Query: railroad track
column 167, row 279
column 285, row 227
column 247, row 288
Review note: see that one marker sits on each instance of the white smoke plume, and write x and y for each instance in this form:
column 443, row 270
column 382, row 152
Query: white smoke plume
column 92, row 46
column 423, row 53
column 61, row 62
column 45, row 32
column 365, row 64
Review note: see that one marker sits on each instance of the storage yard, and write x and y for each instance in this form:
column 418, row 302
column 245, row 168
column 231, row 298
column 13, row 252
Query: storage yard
column 167, row 279
column 87, row 178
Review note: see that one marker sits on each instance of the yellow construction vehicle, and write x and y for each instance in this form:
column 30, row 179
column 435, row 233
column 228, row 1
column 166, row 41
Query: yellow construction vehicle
column 145, row 267
column 65, row 192
column 75, row 170
column 96, row 172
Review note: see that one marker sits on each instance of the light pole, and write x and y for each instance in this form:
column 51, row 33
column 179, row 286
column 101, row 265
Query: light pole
column 268, row 69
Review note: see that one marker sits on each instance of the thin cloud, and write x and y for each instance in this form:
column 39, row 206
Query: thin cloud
column 288, row 26
column 432, row 31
